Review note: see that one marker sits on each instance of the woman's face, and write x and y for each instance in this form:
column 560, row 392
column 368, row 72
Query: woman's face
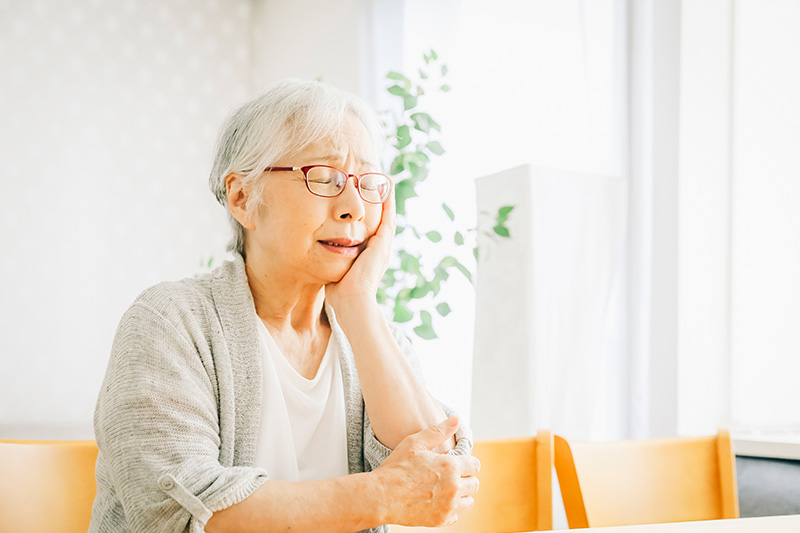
column 311, row 238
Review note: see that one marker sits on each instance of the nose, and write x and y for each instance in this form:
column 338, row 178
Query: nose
column 348, row 204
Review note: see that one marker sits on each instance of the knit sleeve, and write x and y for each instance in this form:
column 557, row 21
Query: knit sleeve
column 157, row 428
column 375, row 452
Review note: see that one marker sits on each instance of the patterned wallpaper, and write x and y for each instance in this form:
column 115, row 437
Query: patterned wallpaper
column 108, row 116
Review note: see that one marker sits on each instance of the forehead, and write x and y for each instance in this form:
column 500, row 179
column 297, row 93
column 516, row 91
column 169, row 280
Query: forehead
column 350, row 138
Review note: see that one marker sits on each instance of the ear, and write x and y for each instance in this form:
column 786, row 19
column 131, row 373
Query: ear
column 238, row 194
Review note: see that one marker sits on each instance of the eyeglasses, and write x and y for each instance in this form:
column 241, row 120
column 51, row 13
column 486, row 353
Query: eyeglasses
column 325, row 181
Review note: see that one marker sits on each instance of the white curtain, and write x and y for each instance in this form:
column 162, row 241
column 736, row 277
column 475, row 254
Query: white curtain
column 541, row 88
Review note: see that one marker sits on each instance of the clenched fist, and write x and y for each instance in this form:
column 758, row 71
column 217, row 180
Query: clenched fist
column 425, row 488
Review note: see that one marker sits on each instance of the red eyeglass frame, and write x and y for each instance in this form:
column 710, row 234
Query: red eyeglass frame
column 356, row 178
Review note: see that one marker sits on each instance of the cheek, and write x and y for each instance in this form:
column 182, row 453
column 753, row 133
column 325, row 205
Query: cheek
column 372, row 219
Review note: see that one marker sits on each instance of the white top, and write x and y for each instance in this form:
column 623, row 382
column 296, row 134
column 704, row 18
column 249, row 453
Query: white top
column 303, row 433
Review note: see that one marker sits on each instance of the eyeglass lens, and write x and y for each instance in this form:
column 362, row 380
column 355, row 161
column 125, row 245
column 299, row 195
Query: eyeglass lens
column 326, row 181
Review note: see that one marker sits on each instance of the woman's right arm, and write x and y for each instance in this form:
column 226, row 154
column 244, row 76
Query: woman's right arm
column 414, row 486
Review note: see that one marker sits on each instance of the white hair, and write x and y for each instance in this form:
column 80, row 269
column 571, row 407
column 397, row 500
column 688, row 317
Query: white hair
column 288, row 116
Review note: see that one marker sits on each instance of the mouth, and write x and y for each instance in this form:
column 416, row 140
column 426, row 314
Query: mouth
column 344, row 247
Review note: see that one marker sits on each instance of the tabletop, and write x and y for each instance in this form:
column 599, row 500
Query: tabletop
column 763, row 524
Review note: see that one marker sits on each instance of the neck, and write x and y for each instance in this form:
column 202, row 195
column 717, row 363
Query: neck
column 283, row 302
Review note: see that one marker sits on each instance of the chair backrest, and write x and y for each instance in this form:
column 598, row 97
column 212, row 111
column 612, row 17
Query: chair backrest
column 515, row 488
column 647, row 481
column 47, row 485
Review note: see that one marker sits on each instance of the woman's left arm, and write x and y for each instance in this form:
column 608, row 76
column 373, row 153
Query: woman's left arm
column 397, row 402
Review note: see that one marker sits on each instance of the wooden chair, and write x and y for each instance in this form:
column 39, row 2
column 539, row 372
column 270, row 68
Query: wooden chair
column 515, row 491
column 47, row 485
column 647, row 481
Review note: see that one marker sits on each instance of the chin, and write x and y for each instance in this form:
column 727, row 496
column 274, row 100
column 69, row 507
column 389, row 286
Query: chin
column 335, row 275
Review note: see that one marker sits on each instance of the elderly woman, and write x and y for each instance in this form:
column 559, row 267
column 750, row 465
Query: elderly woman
column 272, row 394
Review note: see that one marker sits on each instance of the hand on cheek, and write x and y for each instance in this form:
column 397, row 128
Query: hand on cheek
column 364, row 276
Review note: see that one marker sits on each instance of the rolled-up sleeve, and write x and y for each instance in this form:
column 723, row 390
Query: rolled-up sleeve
column 158, row 430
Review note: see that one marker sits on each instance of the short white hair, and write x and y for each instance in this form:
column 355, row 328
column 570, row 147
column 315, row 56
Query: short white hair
column 288, row 116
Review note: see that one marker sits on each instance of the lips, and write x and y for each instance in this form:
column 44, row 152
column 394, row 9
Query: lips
column 341, row 242
column 346, row 247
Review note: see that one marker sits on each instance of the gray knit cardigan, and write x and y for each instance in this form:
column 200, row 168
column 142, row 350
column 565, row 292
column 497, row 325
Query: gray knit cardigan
column 177, row 418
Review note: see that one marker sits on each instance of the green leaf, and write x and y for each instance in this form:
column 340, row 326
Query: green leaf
column 399, row 77
column 401, row 313
column 475, row 253
column 318, row 78
column 434, row 236
column 425, row 330
column 417, row 164
column 503, row 212
column 443, row 309
column 408, row 263
column 501, row 230
column 420, row 90
column 397, row 90
column 444, row 70
column 389, row 277
column 423, row 122
column 459, row 239
column 403, row 137
column 409, row 102
column 398, row 165
column 422, row 74
column 439, row 275
column 435, row 147
column 402, row 192
column 404, row 296
column 449, row 212
column 421, row 290
column 427, row 58
column 399, row 229
column 451, row 261
column 433, row 54
column 445, row 88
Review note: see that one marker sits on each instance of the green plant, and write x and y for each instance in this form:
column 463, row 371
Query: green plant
column 411, row 286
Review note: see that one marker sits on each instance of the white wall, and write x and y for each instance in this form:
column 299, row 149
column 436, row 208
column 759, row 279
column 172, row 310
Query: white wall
column 110, row 113
column 309, row 38
column 109, row 117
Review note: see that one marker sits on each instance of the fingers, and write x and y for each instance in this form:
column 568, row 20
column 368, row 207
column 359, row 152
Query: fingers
column 432, row 436
column 465, row 503
column 388, row 214
column 470, row 466
column 468, row 486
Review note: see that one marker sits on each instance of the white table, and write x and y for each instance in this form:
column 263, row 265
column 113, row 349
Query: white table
column 765, row 524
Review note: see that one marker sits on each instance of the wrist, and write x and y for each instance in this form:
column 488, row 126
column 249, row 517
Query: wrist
column 382, row 506
column 356, row 310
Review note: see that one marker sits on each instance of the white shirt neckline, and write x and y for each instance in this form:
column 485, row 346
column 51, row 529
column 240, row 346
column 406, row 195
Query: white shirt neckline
column 303, row 427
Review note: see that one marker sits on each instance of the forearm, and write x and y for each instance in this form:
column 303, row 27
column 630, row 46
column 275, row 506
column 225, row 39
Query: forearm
column 344, row 504
column 397, row 402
